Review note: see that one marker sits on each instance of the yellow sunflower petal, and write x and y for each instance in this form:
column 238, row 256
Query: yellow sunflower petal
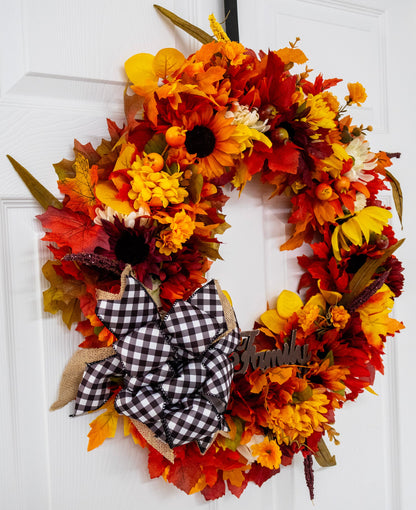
column 335, row 243
column 352, row 231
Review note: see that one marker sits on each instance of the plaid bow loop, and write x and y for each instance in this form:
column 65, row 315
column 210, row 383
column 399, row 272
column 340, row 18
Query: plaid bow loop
column 176, row 372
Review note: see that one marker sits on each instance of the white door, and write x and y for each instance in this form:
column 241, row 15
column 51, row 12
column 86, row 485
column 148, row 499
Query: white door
column 61, row 75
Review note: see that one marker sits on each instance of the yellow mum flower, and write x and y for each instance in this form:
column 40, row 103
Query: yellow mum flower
column 181, row 227
column 267, row 453
column 357, row 93
column 154, row 188
column 320, row 114
column 296, row 422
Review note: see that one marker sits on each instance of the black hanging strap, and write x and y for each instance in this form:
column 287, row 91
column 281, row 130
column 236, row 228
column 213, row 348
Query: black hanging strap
column 231, row 22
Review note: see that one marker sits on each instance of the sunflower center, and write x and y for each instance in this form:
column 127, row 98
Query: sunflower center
column 131, row 248
column 200, row 141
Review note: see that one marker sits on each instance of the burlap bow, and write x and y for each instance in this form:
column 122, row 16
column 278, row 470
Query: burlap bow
column 176, row 372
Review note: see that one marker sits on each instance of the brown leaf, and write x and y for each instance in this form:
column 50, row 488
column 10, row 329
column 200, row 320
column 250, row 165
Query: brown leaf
column 38, row 191
column 366, row 272
column 397, row 195
column 195, row 32
column 323, row 456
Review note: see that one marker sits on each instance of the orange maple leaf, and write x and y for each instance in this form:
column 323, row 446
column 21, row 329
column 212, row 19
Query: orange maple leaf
column 103, row 427
column 80, row 189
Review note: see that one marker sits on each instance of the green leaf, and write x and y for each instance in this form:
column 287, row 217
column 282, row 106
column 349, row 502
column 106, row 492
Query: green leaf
column 156, row 144
column 222, row 227
column 210, row 250
column 302, row 396
column 397, row 195
column 233, row 444
column 65, row 169
column 195, row 187
column 192, row 30
column 365, row 273
column 39, row 192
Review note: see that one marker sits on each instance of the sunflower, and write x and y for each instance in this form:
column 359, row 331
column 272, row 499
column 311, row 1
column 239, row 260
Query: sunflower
column 210, row 135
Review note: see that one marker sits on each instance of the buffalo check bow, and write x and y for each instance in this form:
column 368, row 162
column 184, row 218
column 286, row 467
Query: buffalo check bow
column 176, row 371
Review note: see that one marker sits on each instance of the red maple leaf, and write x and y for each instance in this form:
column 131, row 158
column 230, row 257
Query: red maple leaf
column 73, row 229
column 184, row 475
column 214, row 492
column 156, row 463
column 260, row 474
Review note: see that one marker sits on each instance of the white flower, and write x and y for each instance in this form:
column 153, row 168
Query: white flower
column 129, row 220
column 250, row 118
column 364, row 160
column 360, row 202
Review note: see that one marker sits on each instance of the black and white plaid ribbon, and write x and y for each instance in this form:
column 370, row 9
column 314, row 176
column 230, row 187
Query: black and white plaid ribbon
column 176, row 371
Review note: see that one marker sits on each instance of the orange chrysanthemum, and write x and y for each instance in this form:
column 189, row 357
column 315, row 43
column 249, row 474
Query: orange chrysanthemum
column 357, row 93
column 267, row 453
column 339, row 317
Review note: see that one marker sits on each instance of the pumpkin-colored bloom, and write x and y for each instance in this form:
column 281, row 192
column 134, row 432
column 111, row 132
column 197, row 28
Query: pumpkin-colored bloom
column 181, row 227
column 157, row 189
column 296, row 422
column 339, row 317
column 268, row 453
column 357, row 93
column 307, row 316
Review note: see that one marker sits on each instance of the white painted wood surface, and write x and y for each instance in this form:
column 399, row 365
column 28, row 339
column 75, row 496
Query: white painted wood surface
column 61, row 75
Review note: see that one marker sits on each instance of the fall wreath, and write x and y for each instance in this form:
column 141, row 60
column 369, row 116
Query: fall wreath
column 139, row 227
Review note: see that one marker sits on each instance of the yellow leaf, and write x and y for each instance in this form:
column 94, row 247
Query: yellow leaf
column 258, row 380
column 316, row 300
column 235, row 476
column 288, row 303
column 167, row 61
column 125, row 158
column 288, row 55
column 370, row 390
column 139, row 69
column 280, row 374
column 273, row 321
column 199, row 486
column 103, row 427
column 63, row 294
column 331, row 297
column 106, row 192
